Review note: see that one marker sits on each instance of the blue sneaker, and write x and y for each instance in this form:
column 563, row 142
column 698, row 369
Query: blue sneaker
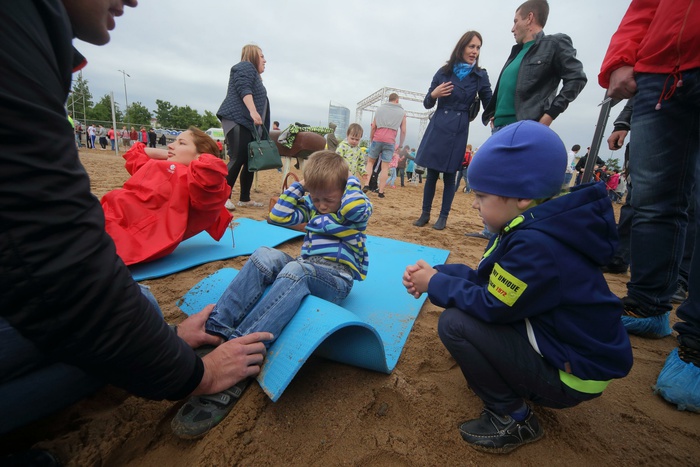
column 679, row 383
column 638, row 324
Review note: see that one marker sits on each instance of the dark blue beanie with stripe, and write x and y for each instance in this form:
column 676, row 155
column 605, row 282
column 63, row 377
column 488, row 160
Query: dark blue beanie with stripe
column 523, row 160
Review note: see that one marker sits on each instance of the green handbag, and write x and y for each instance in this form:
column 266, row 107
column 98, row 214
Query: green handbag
column 263, row 153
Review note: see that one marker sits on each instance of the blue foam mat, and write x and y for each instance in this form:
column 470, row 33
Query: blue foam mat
column 368, row 329
column 201, row 248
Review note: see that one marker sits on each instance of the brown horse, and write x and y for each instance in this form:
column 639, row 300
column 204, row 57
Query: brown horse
column 305, row 143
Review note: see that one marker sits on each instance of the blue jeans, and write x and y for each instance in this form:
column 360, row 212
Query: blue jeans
column 241, row 310
column 448, row 193
column 567, row 180
column 624, row 226
column 462, row 174
column 385, row 150
column 664, row 149
column 392, row 176
column 32, row 387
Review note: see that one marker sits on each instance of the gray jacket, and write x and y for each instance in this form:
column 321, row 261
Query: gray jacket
column 550, row 60
column 244, row 80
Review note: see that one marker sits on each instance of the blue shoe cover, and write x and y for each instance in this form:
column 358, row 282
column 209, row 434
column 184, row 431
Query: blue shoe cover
column 653, row 326
column 679, row 383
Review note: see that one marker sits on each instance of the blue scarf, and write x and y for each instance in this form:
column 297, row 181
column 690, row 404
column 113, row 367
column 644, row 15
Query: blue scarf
column 462, row 69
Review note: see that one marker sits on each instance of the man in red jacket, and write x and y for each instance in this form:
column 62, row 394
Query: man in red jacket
column 71, row 316
column 653, row 57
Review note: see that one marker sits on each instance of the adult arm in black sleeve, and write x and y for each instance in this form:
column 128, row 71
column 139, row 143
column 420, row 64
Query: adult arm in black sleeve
column 61, row 283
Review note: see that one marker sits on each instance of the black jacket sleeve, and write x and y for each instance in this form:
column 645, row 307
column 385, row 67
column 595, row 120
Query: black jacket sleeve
column 623, row 121
column 61, row 283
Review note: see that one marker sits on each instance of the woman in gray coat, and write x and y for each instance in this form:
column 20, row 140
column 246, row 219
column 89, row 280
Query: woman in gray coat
column 245, row 107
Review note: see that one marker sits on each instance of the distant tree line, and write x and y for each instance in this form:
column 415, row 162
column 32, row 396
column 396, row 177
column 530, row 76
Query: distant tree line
column 85, row 110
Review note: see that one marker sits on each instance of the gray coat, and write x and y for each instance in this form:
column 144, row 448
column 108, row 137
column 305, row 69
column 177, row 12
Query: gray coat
column 550, row 60
column 244, row 80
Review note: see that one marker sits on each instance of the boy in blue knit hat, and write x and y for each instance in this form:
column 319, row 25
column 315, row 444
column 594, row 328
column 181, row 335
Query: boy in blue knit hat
column 536, row 320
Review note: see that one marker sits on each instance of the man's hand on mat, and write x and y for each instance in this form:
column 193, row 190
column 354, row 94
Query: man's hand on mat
column 192, row 331
column 233, row 361
column 417, row 277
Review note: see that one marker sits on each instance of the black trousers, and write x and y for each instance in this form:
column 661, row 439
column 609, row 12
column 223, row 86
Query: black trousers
column 237, row 140
column 501, row 366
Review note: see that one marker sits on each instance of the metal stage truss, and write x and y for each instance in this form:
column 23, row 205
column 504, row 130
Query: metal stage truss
column 372, row 102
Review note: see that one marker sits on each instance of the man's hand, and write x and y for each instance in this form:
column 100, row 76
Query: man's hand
column 417, row 277
column 233, row 361
column 617, row 139
column 192, row 331
column 622, row 83
column 546, row 120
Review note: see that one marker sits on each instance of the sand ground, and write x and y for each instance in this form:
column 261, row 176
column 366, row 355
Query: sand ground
column 333, row 414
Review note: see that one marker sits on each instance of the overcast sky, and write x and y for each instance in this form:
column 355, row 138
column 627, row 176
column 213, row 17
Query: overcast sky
column 317, row 52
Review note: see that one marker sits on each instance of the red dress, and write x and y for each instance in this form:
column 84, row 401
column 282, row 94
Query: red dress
column 164, row 203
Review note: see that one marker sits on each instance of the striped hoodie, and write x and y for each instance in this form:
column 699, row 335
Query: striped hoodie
column 339, row 236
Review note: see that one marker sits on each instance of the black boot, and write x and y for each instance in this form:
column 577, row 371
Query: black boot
column 441, row 223
column 422, row 220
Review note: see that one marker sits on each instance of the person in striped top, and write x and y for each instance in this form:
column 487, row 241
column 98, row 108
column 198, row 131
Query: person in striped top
column 333, row 255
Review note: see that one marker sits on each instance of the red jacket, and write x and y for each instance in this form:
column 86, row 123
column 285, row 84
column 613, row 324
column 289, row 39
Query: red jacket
column 164, row 203
column 467, row 159
column 655, row 36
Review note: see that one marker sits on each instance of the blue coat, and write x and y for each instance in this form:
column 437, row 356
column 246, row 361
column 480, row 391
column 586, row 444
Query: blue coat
column 542, row 276
column 445, row 140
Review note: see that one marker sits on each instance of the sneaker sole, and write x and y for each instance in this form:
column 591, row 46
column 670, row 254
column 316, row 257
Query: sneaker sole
column 502, row 450
column 190, row 430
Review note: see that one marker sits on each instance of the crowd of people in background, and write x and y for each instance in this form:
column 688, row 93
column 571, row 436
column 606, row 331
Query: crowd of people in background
column 97, row 136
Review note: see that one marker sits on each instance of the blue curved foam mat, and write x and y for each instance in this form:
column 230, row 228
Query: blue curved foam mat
column 201, row 248
column 368, row 329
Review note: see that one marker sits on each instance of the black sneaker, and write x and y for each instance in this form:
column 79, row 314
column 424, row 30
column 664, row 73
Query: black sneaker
column 365, row 189
column 680, row 294
column 202, row 413
column 381, row 195
column 615, row 267
column 689, row 355
column 500, row 434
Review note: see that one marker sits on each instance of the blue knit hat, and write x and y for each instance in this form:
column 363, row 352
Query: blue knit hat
column 523, row 160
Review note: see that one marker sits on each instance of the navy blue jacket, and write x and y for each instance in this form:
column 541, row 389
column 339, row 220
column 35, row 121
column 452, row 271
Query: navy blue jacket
column 545, row 268
column 445, row 140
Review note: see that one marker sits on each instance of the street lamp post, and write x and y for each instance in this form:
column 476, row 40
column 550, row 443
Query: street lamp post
column 126, row 97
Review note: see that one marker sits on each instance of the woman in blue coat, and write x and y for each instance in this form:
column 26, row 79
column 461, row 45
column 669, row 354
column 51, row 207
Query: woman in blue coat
column 454, row 88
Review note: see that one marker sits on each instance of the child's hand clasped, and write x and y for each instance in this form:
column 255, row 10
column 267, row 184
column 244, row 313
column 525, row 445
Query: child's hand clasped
column 417, row 277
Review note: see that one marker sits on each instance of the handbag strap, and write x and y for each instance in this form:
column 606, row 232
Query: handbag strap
column 266, row 134
column 285, row 184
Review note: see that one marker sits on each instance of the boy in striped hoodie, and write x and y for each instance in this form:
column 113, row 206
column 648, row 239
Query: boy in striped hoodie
column 333, row 256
